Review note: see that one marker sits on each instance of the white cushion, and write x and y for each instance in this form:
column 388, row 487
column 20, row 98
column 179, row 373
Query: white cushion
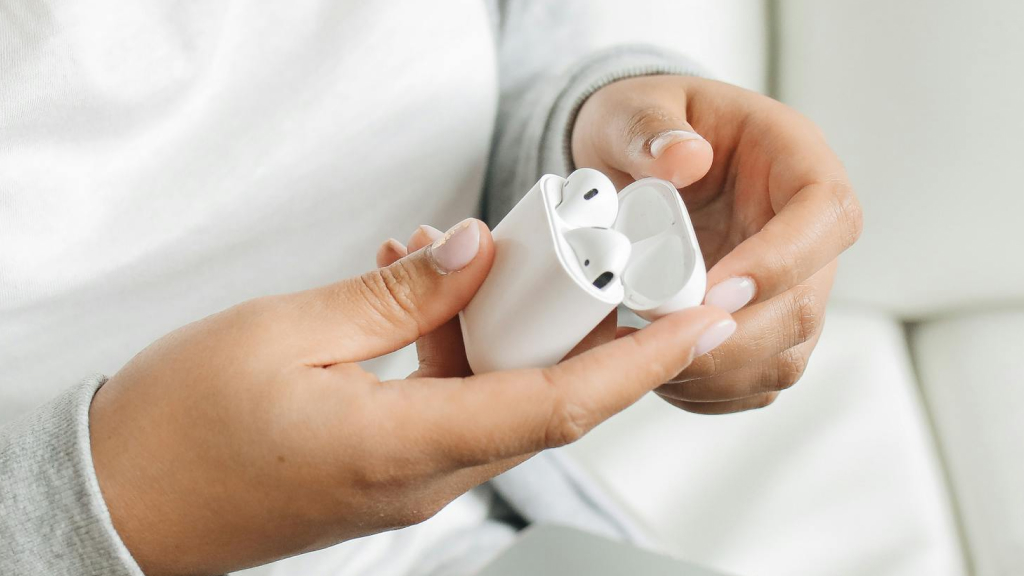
column 837, row 477
column 922, row 100
column 973, row 381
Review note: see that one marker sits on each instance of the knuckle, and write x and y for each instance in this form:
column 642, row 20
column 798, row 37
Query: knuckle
column 420, row 512
column 390, row 295
column 375, row 467
column 849, row 213
column 567, row 421
column 375, row 475
column 707, row 365
column 644, row 124
column 790, row 367
column 780, row 268
column 807, row 315
column 399, row 290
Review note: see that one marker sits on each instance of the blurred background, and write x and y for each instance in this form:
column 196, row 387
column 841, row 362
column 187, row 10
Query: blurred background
column 900, row 451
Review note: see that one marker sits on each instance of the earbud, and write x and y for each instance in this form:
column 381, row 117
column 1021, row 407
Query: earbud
column 588, row 199
column 602, row 253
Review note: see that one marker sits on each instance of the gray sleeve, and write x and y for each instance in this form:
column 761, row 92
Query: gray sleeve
column 542, row 91
column 53, row 520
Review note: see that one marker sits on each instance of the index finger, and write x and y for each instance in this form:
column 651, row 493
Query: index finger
column 817, row 217
column 498, row 415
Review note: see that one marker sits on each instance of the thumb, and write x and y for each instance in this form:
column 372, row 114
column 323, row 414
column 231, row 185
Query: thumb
column 643, row 136
column 441, row 353
column 677, row 154
column 391, row 307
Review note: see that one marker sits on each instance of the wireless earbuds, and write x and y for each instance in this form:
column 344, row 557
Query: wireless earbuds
column 588, row 199
column 602, row 254
column 590, row 204
column 567, row 254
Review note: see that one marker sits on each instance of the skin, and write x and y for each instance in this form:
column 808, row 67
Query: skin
column 768, row 199
column 253, row 434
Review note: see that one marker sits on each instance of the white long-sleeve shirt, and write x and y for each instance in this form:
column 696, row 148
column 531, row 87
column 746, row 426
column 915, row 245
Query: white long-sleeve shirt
column 160, row 162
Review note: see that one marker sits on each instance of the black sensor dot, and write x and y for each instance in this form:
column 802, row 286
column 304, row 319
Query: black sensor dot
column 591, row 194
column 603, row 280
column 586, row 262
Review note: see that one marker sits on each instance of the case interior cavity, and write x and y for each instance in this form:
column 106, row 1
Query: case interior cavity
column 652, row 216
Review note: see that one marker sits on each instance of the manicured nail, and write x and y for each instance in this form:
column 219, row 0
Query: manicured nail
column 457, row 248
column 666, row 139
column 395, row 246
column 712, row 337
column 424, row 235
column 732, row 294
column 430, row 232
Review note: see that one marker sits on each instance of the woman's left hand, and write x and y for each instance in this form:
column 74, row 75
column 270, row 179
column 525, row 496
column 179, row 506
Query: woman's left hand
column 771, row 205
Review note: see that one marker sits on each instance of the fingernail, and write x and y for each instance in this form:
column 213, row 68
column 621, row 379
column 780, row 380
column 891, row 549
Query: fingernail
column 395, row 246
column 430, row 232
column 457, row 248
column 423, row 236
column 732, row 294
column 666, row 139
column 712, row 337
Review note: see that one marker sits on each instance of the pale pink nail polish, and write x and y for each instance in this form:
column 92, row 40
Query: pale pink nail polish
column 666, row 139
column 431, row 232
column 457, row 248
column 423, row 235
column 714, row 336
column 732, row 294
column 396, row 246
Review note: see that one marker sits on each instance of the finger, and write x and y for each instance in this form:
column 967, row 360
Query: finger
column 489, row 417
column 767, row 329
column 772, row 375
column 624, row 331
column 441, row 353
column 389, row 252
column 730, row 407
column 604, row 332
column 390, row 307
column 423, row 235
column 644, row 132
column 817, row 217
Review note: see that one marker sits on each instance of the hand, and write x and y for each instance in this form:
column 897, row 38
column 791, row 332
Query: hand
column 771, row 205
column 253, row 434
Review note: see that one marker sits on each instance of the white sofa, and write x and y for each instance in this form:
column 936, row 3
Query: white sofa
column 900, row 451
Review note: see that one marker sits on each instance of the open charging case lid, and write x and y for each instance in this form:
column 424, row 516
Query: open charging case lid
column 666, row 270
column 537, row 303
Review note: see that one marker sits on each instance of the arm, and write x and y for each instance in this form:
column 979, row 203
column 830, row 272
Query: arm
column 53, row 519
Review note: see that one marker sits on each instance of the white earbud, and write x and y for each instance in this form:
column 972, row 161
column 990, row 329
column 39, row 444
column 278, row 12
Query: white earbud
column 602, row 253
column 588, row 199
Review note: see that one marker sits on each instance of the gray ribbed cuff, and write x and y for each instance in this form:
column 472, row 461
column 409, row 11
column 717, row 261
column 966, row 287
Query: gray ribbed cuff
column 53, row 520
column 535, row 136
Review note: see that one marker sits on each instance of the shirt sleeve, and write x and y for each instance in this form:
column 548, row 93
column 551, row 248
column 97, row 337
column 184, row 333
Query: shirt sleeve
column 544, row 80
column 53, row 519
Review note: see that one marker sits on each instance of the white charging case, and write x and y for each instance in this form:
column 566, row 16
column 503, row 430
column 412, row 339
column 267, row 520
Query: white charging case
column 535, row 304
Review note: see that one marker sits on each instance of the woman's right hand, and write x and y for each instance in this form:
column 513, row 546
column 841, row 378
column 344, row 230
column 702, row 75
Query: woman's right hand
column 254, row 434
